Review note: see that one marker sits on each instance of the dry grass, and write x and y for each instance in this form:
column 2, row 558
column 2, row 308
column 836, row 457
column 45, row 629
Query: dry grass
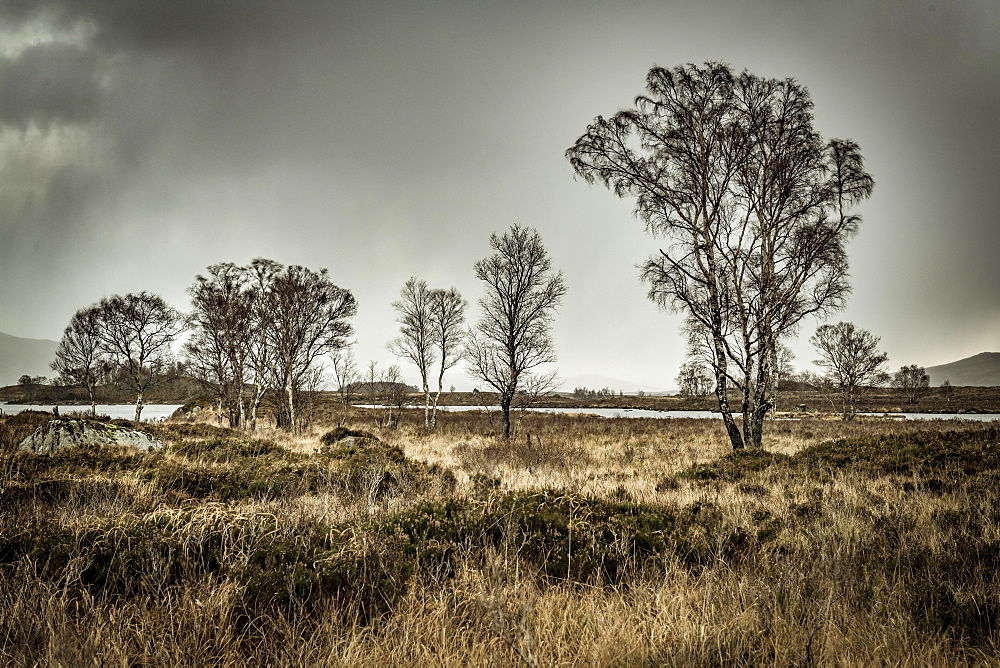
column 582, row 541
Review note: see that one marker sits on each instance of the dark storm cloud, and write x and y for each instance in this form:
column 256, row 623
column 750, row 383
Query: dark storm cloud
column 49, row 83
column 386, row 139
column 212, row 26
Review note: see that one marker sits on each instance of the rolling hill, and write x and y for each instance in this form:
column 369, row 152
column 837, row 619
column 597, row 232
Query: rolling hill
column 24, row 356
column 982, row 370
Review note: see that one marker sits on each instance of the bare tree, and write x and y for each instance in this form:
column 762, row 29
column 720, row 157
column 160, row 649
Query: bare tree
column 913, row 381
column 137, row 331
column 345, row 373
column 308, row 319
column 513, row 335
column 387, row 392
column 852, row 361
column 447, row 319
column 535, row 386
column 218, row 349
column 753, row 205
column 80, row 358
column 415, row 341
column 394, row 395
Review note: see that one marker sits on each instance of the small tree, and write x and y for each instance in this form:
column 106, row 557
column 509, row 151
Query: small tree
column 513, row 336
column 394, row 395
column 80, row 359
column 913, row 381
column 27, row 393
column 345, row 374
column 387, row 392
column 137, row 331
column 416, row 329
column 852, row 362
column 447, row 317
column 947, row 390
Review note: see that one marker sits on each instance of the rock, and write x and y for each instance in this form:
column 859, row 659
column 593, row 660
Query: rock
column 67, row 432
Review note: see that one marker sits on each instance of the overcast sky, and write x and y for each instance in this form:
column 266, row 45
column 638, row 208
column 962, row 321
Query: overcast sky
column 143, row 140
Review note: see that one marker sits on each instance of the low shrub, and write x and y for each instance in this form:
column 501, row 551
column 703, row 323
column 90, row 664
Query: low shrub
column 272, row 568
column 227, row 448
column 931, row 455
column 735, row 466
column 965, row 452
column 576, row 538
column 331, row 438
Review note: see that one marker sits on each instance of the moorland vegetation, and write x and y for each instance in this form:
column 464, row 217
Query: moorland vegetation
column 578, row 540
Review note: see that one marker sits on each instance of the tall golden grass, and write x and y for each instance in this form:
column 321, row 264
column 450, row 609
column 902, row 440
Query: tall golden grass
column 582, row 541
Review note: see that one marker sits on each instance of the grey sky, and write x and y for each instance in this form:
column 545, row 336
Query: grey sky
column 141, row 141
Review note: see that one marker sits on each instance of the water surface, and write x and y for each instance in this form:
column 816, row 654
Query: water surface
column 646, row 413
column 150, row 412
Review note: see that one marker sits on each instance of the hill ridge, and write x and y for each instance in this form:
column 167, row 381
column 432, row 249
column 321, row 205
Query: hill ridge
column 980, row 370
column 19, row 356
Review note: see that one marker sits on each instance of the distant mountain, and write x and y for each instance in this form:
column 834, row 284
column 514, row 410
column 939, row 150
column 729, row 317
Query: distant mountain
column 24, row 356
column 982, row 370
column 595, row 382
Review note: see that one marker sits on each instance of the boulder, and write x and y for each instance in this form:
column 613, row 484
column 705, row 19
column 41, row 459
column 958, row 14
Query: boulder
column 67, row 432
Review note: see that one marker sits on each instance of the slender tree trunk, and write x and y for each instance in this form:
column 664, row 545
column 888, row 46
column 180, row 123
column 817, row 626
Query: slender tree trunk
column 243, row 411
column 722, row 394
column 427, row 406
column 505, row 401
column 757, row 404
column 291, row 404
column 849, row 404
column 721, row 379
column 258, row 396
column 437, row 397
column 138, row 405
column 91, row 391
column 434, row 409
column 753, row 425
column 218, row 410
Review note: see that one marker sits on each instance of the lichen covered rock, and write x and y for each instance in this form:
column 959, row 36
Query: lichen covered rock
column 65, row 433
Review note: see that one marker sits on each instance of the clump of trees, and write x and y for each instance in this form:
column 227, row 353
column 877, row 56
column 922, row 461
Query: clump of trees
column 29, row 386
column 127, row 336
column 913, row 381
column 754, row 206
column 255, row 331
column 513, row 337
column 586, row 393
column 694, row 379
column 852, row 361
column 268, row 326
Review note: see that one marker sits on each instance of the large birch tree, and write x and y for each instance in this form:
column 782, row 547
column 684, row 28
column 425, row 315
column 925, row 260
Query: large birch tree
column 754, row 209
